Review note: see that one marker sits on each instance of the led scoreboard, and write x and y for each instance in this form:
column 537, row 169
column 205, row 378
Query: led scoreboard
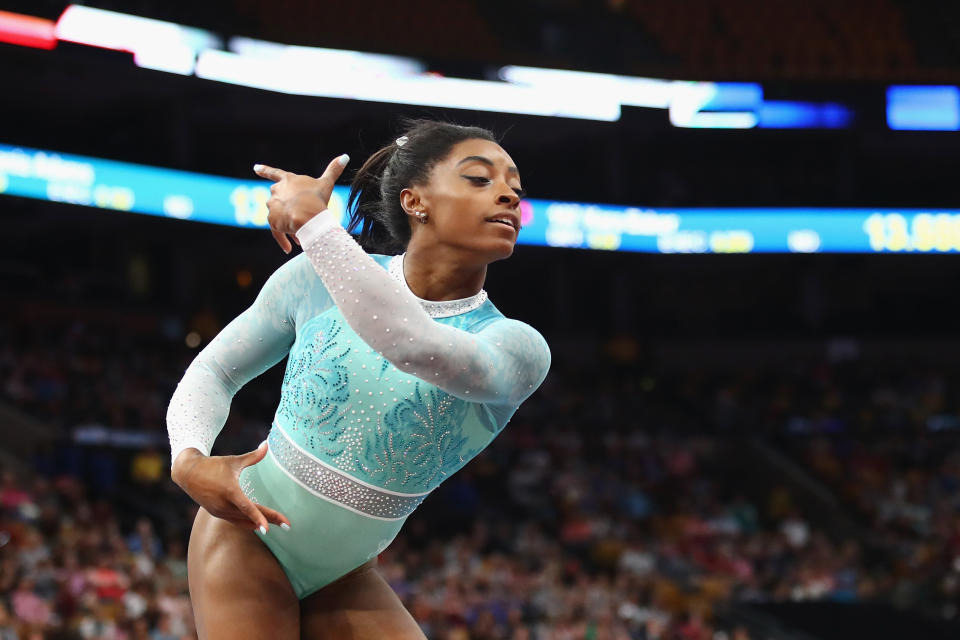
column 741, row 230
column 108, row 184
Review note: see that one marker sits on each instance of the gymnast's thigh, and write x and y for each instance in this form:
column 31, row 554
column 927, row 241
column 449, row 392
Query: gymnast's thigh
column 237, row 588
column 361, row 606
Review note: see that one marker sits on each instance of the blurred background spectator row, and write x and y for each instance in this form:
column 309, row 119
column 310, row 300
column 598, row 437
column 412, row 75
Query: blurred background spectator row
column 620, row 501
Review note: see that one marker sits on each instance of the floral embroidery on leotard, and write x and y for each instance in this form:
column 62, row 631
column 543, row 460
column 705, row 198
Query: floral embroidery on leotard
column 418, row 442
column 348, row 405
column 315, row 386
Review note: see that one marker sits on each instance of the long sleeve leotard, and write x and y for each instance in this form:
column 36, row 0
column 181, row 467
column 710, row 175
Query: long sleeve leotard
column 384, row 394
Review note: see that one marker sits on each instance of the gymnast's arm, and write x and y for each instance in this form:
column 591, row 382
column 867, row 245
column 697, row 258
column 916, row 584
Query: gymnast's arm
column 501, row 364
column 252, row 343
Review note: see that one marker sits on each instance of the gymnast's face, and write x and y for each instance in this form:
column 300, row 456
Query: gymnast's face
column 472, row 201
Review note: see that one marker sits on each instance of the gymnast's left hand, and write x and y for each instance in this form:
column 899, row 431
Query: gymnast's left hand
column 295, row 198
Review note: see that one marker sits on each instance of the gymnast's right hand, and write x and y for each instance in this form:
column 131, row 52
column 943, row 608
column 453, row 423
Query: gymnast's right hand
column 213, row 482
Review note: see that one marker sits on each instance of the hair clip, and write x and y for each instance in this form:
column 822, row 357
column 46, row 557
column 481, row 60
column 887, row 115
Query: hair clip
column 402, row 140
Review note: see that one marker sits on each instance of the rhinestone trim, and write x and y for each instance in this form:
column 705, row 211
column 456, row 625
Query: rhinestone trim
column 335, row 486
column 434, row 308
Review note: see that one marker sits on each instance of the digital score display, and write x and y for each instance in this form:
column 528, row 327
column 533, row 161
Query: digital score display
column 170, row 193
column 741, row 230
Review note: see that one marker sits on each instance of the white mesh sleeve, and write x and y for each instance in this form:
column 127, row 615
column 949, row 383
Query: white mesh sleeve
column 501, row 364
column 252, row 343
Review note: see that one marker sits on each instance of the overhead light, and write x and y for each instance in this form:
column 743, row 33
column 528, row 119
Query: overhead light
column 155, row 44
column 27, row 31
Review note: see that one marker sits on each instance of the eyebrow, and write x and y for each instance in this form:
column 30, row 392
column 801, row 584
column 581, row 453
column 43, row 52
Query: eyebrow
column 486, row 161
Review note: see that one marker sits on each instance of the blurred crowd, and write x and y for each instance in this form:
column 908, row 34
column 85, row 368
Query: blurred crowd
column 639, row 545
column 613, row 506
column 69, row 568
column 906, row 489
column 591, row 535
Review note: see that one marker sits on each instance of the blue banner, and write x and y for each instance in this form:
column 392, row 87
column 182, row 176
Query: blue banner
column 121, row 186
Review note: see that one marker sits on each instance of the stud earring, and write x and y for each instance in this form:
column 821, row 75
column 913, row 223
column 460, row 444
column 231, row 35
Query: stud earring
column 421, row 216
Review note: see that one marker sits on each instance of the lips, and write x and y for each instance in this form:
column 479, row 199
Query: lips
column 508, row 219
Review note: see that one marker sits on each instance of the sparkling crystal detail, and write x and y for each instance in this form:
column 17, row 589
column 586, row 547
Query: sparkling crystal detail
column 435, row 309
column 339, row 487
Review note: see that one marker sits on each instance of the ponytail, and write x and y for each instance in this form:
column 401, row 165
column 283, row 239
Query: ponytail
column 365, row 206
column 374, row 201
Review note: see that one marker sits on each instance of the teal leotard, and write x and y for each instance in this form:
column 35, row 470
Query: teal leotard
column 384, row 396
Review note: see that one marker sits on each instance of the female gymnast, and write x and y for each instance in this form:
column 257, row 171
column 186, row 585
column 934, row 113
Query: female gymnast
column 399, row 371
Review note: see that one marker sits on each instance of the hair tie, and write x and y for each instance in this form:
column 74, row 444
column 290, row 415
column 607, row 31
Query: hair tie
column 402, row 140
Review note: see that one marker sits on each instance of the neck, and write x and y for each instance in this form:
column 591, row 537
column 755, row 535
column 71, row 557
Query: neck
column 441, row 273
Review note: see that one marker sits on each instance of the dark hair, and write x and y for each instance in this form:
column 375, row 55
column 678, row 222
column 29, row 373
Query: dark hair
column 374, row 202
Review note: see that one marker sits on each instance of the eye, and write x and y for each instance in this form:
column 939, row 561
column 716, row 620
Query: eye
column 521, row 193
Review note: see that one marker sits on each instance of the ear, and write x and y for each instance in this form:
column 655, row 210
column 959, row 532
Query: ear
column 411, row 201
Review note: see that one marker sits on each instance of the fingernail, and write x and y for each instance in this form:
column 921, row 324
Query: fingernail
column 285, row 526
column 257, row 167
column 263, row 530
column 343, row 160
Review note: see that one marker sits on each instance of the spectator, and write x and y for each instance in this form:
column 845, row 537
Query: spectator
column 29, row 606
column 7, row 630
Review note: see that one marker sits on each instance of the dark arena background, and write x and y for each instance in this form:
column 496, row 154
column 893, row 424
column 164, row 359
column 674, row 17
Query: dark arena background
column 741, row 243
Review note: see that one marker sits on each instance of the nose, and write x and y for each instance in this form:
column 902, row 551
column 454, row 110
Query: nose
column 508, row 197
